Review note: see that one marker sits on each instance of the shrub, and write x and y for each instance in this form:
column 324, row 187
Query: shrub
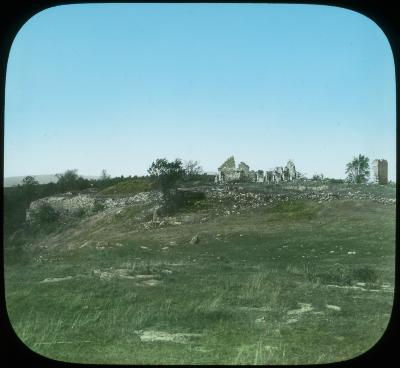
column 365, row 274
column 335, row 181
column 345, row 275
column 310, row 272
column 166, row 174
column 177, row 200
column 98, row 206
column 47, row 214
column 80, row 212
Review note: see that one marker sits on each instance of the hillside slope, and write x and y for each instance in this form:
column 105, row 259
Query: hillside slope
column 267, row 275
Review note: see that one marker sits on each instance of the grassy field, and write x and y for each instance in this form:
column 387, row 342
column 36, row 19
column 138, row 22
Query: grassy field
column 290, row 283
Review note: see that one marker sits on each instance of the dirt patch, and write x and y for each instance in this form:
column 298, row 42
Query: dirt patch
column 296, row 314
column 333, row 307
column 304, row 308
column 57, row 279
column 144, row 276
column 255, row 309
column 151, row 282
column 260, row 320
column 384, row 288
column 152, row 336
column 86, row 243
column 124, row 273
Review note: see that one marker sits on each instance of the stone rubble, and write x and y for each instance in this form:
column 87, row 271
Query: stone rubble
column 235, row 198
column 194, row 240
column 227, row 199
column 228, row 172
column 67, row 204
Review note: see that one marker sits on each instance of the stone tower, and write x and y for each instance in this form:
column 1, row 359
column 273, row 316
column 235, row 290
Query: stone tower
column 380, row 171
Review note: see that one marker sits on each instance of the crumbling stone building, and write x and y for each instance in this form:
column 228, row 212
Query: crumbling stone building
column 228, row 172
column 260, row 176
column 380, row 171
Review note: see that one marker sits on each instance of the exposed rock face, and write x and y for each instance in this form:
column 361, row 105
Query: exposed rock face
column 68, row 204
column 380, row 171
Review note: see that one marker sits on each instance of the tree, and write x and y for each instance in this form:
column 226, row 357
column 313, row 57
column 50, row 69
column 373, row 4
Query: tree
column 70, row 180
column 166, row 174
column 29, row 181
column 29, row 188
column 104, row 175
column 192, row 168
column 69, row 176
column 357, row 170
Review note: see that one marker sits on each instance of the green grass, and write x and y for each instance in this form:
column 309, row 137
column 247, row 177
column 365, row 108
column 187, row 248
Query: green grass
column 132, row 187
column 237, row 287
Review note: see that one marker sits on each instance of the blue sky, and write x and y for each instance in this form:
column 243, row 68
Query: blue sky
column 116, row 86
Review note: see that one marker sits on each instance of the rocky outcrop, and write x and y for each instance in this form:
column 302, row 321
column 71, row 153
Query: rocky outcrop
column 68, row 204
column 62, row 204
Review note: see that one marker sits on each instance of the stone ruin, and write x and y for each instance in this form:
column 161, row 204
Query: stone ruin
column 68, row 204
column 380, row 171
column 228, row 172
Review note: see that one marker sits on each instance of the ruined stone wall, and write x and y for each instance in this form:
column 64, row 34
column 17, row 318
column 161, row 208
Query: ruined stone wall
column 380, row 171
column 277, row 174
column 268, row 175
column 228, row 172
column 231, row 175
column 291, row 169
column 252, row 176
column 260, row 176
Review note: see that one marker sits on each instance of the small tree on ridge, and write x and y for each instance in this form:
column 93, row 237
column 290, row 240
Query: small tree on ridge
column 166, row 174
column 357, row 170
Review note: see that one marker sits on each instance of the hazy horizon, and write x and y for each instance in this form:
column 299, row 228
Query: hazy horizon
column 116, row 86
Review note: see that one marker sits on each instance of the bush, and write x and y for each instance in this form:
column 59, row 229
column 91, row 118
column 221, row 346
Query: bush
column 178, row 200
column 80, row 212
column 345, row 275
column 365, row 274
column 47, row 214
column 335, row 181
column 166, row 174
column 98, row 206
column 310, row 272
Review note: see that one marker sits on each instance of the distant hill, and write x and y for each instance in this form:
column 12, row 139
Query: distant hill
column 42, row 179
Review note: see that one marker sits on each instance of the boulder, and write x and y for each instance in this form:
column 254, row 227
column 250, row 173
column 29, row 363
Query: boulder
column 194, row 240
